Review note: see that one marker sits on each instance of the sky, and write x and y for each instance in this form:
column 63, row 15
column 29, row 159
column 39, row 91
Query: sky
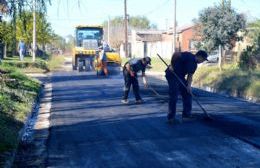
column 64, row 15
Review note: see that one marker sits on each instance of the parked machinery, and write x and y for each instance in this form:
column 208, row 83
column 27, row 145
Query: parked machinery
column 87, row 43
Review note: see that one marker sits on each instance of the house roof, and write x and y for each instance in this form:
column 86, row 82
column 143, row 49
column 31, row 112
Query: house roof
column 179, row 29
column 148, row 35
column 149, row 32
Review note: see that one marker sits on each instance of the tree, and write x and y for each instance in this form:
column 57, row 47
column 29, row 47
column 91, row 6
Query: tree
column 251, row 55
column 117, row 28
column 69, row 43
column 7, row 35
column 140, row 22
column 254, row 30
column 24, row 29
column 219, row 26
column 58, row 42
column 16, row 8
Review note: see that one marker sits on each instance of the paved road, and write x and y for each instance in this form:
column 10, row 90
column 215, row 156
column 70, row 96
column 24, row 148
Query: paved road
column 91, row 128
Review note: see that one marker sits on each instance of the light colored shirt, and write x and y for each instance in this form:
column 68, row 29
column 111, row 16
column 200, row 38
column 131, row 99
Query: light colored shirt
column 106, row 47
column 21, row 45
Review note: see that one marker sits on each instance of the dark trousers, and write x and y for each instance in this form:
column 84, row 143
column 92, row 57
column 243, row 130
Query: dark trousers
column 175, row 87
column 129, row 80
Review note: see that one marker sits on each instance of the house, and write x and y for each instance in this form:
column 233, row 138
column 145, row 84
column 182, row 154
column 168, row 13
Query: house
column 145, row 43
column 186, row 38
column 150, row 42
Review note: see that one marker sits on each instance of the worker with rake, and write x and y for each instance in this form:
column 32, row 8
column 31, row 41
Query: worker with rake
column 179, row 76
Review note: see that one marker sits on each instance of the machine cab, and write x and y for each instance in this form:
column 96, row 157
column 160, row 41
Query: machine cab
column 88, row 37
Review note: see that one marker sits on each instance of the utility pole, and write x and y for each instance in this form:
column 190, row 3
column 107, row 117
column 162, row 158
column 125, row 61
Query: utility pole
column 126, row 30
column 174, row 27
column 108, row 30
column 166, row 24
column 34, row 31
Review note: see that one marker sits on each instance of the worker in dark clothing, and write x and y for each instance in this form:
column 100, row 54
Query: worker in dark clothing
column 184, row 65
column 130, row 70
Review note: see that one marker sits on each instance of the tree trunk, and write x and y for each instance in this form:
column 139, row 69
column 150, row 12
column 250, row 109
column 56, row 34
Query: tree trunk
column 14, row 47
column 223, row 57
column 5, row 50
column 238, row 53
column 220, row 48
column 44, row 47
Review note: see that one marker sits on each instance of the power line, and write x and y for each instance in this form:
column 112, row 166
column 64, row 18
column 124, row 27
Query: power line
column 156, row 8
column 58, row 9
column 75, row 19
column 126, row 28
column 68, row 8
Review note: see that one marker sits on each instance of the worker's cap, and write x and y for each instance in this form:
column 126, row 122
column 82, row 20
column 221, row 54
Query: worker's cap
column 147, row 60
column 203, row 54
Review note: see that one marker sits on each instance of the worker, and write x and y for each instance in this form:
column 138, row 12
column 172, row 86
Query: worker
column 98, row 65
column 105, row 49
column 21, row 48
column 183, row 64
column 130, row 70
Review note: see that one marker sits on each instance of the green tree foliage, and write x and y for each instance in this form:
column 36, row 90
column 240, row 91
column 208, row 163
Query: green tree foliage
column 117, row 28
column 15, row 8
column 7, row 35
column 5, row 31
column 247, row 59
column 254, row 31
column 136, row 22
column 24, row 28
column 219, row 25
column 251, row 55
column 58, row 42
column 69, row 43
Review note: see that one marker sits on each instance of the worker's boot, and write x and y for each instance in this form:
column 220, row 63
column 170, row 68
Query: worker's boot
column 124, row 101
column 140, row 101
column 187, row 117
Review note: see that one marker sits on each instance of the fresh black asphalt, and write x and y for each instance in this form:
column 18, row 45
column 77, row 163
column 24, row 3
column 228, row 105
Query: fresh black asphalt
column 91, row 128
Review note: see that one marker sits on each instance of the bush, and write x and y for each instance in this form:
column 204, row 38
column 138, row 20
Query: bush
column 230, row 80
column 41, row 64
column 254, row 89
column 234, row 82
column 248, row 59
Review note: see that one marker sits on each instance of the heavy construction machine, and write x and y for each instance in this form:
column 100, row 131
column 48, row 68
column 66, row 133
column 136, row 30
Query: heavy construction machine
column 86, row 50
